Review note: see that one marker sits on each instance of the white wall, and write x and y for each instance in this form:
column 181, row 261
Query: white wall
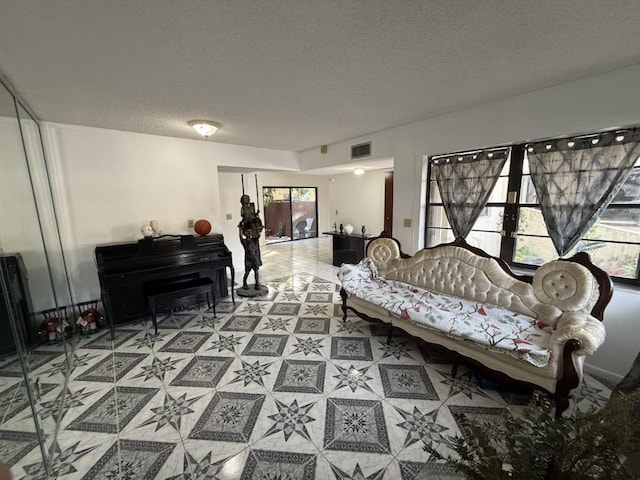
column 359, row 200
column 20, row 230
column 623, row 335
column 586, row 105
column 603, row 101
column 231, row 190
column 108, row 183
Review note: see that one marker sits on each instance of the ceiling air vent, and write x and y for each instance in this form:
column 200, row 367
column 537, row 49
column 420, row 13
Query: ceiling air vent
column 361, row 150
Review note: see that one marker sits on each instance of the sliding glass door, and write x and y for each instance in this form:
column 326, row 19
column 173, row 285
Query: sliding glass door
column 290, row 213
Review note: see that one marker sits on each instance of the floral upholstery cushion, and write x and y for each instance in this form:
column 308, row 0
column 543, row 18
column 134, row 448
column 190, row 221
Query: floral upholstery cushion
column 495, row 328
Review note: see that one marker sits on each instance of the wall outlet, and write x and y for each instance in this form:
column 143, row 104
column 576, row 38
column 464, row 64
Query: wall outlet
column 336, row 212
column 190, row 223
column 228, row 216
column 407, row 222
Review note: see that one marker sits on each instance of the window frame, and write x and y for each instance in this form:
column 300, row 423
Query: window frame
column 512, row 207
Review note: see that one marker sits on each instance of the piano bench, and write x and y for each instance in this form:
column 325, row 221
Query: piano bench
column 168, row 292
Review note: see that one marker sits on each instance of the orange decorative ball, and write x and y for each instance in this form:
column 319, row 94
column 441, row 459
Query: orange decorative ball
column 202, row 227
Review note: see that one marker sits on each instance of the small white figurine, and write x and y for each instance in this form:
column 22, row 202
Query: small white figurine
column 146, row 231
column 156, row 228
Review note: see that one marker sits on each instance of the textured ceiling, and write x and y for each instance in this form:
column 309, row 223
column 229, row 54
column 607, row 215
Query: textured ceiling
column 295, row 74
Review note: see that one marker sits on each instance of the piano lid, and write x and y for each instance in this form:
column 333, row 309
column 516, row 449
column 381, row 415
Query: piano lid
column 164, row 246
column 153, row 246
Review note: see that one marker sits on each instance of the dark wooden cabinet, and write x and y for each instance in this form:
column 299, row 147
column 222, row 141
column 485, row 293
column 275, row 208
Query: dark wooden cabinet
column 17, row 300
column 348, row 248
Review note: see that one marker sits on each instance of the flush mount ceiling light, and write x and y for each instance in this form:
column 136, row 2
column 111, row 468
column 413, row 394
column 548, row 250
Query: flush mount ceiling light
column 358, row 171
column 206, row 128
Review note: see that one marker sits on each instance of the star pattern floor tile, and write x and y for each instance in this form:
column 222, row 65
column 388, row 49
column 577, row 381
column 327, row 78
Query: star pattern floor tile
column 113, row 367
column 319, row 297
column 274, row 324
column 291, row 418
column 185, row 342
column 302, row 376
column 240, row 323
column 406, row 381
column 177, row 321
column 104, row 341
column 265, row 464
column 277, row 387
column 428, row 471
column 229, row 417
column 351, row 348
column 129, row 459
column 491, row 419
column 114, row 410
column 266, row 345
column 202, row 371
column 15, row 399
column 356, row 426
column 312, row 325
column 284, row 309
column 422, row 426
column 15, row 445
column 35, row 360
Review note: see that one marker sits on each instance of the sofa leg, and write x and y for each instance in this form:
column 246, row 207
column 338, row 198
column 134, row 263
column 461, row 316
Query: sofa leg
column 343, row 295
column 562, row 403
column 454, row 366
column 389, row 333
column 569, row 379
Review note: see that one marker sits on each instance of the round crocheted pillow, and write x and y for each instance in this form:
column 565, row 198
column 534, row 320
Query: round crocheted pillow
column 567, row 285
column 382, row 250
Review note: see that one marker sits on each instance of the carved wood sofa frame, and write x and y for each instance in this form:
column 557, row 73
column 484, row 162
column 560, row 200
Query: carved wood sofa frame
column 568, row 376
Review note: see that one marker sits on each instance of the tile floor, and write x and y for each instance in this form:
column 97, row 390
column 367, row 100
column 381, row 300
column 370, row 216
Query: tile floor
column 273, row 388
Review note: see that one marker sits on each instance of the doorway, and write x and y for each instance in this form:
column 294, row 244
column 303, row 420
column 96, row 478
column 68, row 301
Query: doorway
column 290, row 213
column 388, row 204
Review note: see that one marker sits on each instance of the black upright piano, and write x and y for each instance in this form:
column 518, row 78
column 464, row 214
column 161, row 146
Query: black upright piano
column 127, row 270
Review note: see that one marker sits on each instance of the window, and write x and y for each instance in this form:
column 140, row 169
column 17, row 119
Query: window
column 486, row 233
column 290, row 213
column 511, row 226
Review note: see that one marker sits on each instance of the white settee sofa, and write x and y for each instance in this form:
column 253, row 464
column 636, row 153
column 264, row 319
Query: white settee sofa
column 534, row 329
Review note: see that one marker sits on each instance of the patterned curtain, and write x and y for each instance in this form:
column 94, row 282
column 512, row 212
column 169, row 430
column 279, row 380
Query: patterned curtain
column 465, row 183
column 576, row 179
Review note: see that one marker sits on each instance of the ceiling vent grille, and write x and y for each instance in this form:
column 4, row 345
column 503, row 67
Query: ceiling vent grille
column 361, row 150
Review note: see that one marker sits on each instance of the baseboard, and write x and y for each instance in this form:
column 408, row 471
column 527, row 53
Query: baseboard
column 614, row 378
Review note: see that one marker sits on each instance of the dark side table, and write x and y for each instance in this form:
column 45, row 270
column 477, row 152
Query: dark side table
column 348, row 248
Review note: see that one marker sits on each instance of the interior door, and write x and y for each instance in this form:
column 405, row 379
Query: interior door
column 388, row 203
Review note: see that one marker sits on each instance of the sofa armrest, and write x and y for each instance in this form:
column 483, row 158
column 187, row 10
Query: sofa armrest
column 581, row 326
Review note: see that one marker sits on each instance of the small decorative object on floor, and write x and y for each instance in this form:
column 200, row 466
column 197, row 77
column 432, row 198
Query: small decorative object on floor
column 155, row 226
column 49, row 329
column 363, row 230
column 90, row 319
column 55, row 325
column 341, row 228
column 348, row 229
column 202, row 227
column 146, row 231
